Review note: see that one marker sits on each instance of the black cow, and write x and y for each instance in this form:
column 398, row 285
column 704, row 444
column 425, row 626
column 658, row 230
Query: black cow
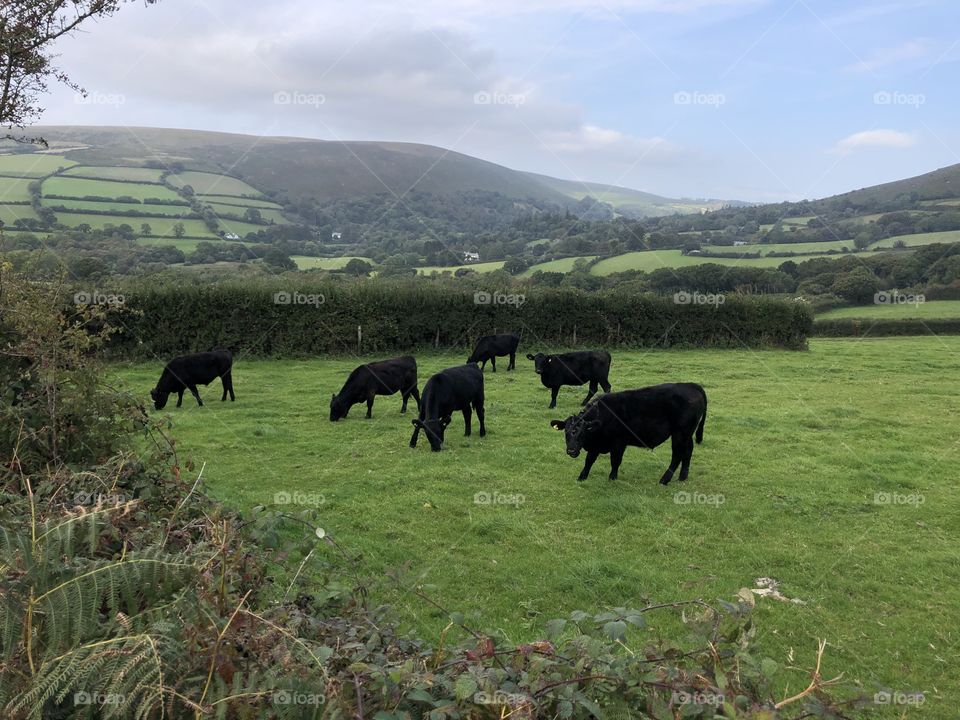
column 490, row 347
column 188, row 371
column 378, row 378
column 641, row 418
column 573, row 368
column 456, row 388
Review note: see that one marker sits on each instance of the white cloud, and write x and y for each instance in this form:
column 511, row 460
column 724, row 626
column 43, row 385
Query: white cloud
column 880, row 138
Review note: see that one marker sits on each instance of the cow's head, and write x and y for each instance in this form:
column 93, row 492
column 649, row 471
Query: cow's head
column 434, row 430
column 159, row 398
column 474, row 357
column 338, row 408
column 540, row 362
column 575, row 428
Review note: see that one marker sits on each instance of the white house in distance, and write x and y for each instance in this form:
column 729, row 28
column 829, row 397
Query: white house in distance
column 471, row 257
column 738, row 243
column 230, row 236
column 335, row 235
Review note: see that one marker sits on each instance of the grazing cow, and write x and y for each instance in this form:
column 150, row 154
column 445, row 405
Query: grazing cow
column 378, row 378
column 490, row 347
column 456, row 388
column 573, row 368
column 188, row 371
column 641, row 418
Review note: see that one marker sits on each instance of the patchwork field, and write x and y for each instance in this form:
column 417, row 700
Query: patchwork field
column 32, row 165
column 81, row 205
column 133, row 174
column 305, row 262
column 159, row 226
column 212, row 184
column 14, row 189
column 831, row 470
column 80, row 188
column 932, row 309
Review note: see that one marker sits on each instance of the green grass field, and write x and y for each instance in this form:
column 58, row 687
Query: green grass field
column 946, row 236
column 305, row 262
column 563, row 265
column 241, row 202
column 797, row 447
column 159, row 226
column 14, row 189
column 655, row 259
column 80, row 188
column 211, row 183
column 9, row 214
column 933, row 309
column 138, row 174
column 81, row 205
column 32, row 165
column 266, row 213
column 480, row 267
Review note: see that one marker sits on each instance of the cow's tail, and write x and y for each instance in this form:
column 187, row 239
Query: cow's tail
column 703, row 420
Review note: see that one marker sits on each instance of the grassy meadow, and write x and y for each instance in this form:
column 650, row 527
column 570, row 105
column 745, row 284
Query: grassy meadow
column 832, row 470
column 934, row 309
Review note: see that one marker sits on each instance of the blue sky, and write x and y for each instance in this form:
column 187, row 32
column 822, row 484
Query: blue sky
column 742, row 99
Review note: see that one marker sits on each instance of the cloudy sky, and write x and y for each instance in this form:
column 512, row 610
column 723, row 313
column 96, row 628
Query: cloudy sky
column 741, row 99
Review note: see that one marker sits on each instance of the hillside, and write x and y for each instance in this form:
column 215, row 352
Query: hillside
column 937, row 185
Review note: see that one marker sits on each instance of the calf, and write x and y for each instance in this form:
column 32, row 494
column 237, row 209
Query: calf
column 573, row 368
column 490, row 347
column 188, row 371
column 641, row 418
column 386, row 377
column 456, row 388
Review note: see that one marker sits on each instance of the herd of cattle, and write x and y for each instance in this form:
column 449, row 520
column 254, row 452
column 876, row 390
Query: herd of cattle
column 644, row 418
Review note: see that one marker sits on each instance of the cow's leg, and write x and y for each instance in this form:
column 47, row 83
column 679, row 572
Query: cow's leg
column 483, row 365
column 592, row 456
column 467, row 415
column 196, row 394
column 229, row 377
column 416, row 434
column 224, row 381
column 416, row 395
column 554, row 391
column 513, row 361
column 685, row 462
column 679, row 445
column 180, row 397
column 605, row 384
column 370, row 397
column 493, row 362
column 616, row 457
column 478, row 406
column 405, row 395
column 591, row 393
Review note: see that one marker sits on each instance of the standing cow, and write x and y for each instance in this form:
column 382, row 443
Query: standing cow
column 386, row 377
column 188, row 371
column 573, row 368
column 457, row 388
column 641, row 418
column 490, row 347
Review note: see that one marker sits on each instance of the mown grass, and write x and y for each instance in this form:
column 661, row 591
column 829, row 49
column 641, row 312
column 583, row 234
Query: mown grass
column 159, row 226
column 212, row 183
column 932, row 309
column 945, row 236
column 107, row 206
column 14, row 189
column 81, row 188
column 797, row 445
column 306, row 262
column 32, row 165
column 9, row 214
column 136, row 174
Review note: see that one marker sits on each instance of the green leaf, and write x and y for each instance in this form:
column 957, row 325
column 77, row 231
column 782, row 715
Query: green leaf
column 465, row 687
column 420, row 696
column 636, row 619
column 590, row 705
column 616, row 630
column 555, row 627
column 769, row 667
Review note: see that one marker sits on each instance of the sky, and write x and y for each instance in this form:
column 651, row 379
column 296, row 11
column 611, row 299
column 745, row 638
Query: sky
column 757, row 100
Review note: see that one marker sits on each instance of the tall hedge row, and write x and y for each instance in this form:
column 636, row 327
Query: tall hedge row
column 889, row 327
column 380, row 317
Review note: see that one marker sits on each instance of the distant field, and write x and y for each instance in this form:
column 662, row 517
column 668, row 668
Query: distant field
column 78, row 188
column 479, row 267
column 81, row 205
column 238, row 227
column 160, row 226
column 931, row 310
column 11, row 213
column 563, row 265
column 14, row 189
column 305, row 262
column 116, row 173
column 916, row 239
column 656, row 259
column 239, row 201
column 207, row 183
column 265, row 213
column 186, row 244
column 32, row 165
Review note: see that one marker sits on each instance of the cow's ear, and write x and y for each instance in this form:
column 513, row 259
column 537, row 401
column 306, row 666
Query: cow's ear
column 558, row 424
column 529, row 356
column 445, row 420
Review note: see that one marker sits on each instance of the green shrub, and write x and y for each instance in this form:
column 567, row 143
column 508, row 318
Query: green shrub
column 887, row 327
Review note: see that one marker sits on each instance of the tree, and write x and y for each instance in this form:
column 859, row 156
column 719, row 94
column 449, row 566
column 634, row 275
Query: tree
column 857, row 286
column 277, row 259
column 253, row 215
column 28, row 30
column 145, row 229
column 358, row 267
column 179, row 230
column 515, row 265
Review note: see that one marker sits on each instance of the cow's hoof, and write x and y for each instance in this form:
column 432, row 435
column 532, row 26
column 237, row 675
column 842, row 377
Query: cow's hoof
column 665, row 480
column 413, row 445
column 613, row 477
column 581, row 478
